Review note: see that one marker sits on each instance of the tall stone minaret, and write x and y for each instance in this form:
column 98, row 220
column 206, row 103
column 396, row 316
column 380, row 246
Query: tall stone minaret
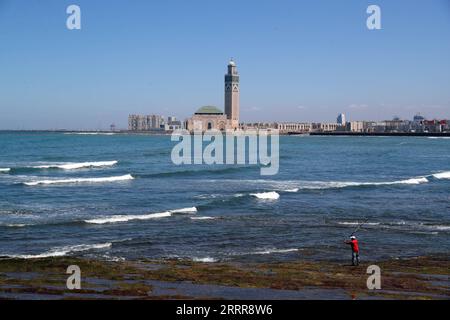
column 232, row 95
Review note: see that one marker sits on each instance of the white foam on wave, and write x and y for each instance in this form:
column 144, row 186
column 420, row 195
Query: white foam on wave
column 442, row 175
column 337, row 185
column 272, row 195
column 418, row 180
column 359, row 223
column 5, row 170
column 14, row 225
column 271, row 251
column 63, row 251
column 413, row 226
column 207, row 259
column 126, row 218
column 77, row 165
column 203, row 218
column 436, row 227
column 185, row 210
column 297, row 185
column 438, row 137
column 80, row 180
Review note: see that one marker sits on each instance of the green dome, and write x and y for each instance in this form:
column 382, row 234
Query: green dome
column 209, row 110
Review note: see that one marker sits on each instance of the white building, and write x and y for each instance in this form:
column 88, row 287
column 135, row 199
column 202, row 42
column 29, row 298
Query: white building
column 355, row 126
column 341, row 119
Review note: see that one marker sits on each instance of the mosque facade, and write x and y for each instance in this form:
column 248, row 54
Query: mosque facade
column 211, row 117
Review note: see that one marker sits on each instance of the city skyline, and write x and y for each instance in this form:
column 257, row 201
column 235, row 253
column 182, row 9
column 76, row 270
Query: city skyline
column 300, row 61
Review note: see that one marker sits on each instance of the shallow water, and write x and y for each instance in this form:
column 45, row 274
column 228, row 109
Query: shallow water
column 64, row 194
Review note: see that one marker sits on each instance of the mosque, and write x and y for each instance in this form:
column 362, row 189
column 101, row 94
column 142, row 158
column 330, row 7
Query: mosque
column 211, row 117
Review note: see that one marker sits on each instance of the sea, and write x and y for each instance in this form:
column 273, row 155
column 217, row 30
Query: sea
column 119, row 197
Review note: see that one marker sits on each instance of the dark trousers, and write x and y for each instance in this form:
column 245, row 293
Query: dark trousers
column 355, row 258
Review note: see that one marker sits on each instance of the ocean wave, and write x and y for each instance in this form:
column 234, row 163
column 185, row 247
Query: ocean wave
column 61, row 251
column 292, row 186
column 126, row 218
column 418, row 180
column 197, row 172
column 436, row 227
column 272, row 195
column 207, row 259
column 442, row 175
column 77, row 165
column 264, row 251
column 14, row 225
column 203, row 218
column 3, row 170
column 271, row 251
column 411, row 226
column 357, row 223
column 323, row 185
column 80, row 180
column 185, row 210
column 438, row 137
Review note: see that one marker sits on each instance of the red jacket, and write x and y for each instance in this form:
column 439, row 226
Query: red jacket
column 354, row 244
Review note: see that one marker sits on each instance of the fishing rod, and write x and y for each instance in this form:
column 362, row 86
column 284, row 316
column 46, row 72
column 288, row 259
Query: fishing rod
column 359, row 227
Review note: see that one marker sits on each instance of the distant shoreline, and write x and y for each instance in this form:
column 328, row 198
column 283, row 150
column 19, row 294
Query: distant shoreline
column 356, row 134
column 383, row 134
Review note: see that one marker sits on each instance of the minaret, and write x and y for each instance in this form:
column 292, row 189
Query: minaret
column 232, row 95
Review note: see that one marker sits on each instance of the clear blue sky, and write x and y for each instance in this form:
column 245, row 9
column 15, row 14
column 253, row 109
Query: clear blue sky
column 298, row 60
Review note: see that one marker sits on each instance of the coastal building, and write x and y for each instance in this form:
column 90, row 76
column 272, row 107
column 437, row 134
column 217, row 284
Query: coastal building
column 145, row 122
column 211, row 117
column 293, row 127
column 171, row 119
column 173, row 124
column 397, row 125
column 257, row 126
column 355, row 126
column 341, row 119
column 435, row 126
column 325, row 127
column 207, row 118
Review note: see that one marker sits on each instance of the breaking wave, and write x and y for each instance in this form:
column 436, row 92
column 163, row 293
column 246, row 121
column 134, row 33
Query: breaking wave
column 271, row 251
column 197, row 172
column 126, row 218
column 264, row 251
column 359, row 223
column 14, row 225
column 266, row 195
column 415, row 227
column 207, row 259
column 2, row 170
column 80, row 180
column 442, row 175
column 323, row 185
column 77, row 165
column 203, row 218
column 185, row 210
column 62, row 251
column 413, row 181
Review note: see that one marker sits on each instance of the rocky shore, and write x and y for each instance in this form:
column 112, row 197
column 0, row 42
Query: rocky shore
column 414, row 278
